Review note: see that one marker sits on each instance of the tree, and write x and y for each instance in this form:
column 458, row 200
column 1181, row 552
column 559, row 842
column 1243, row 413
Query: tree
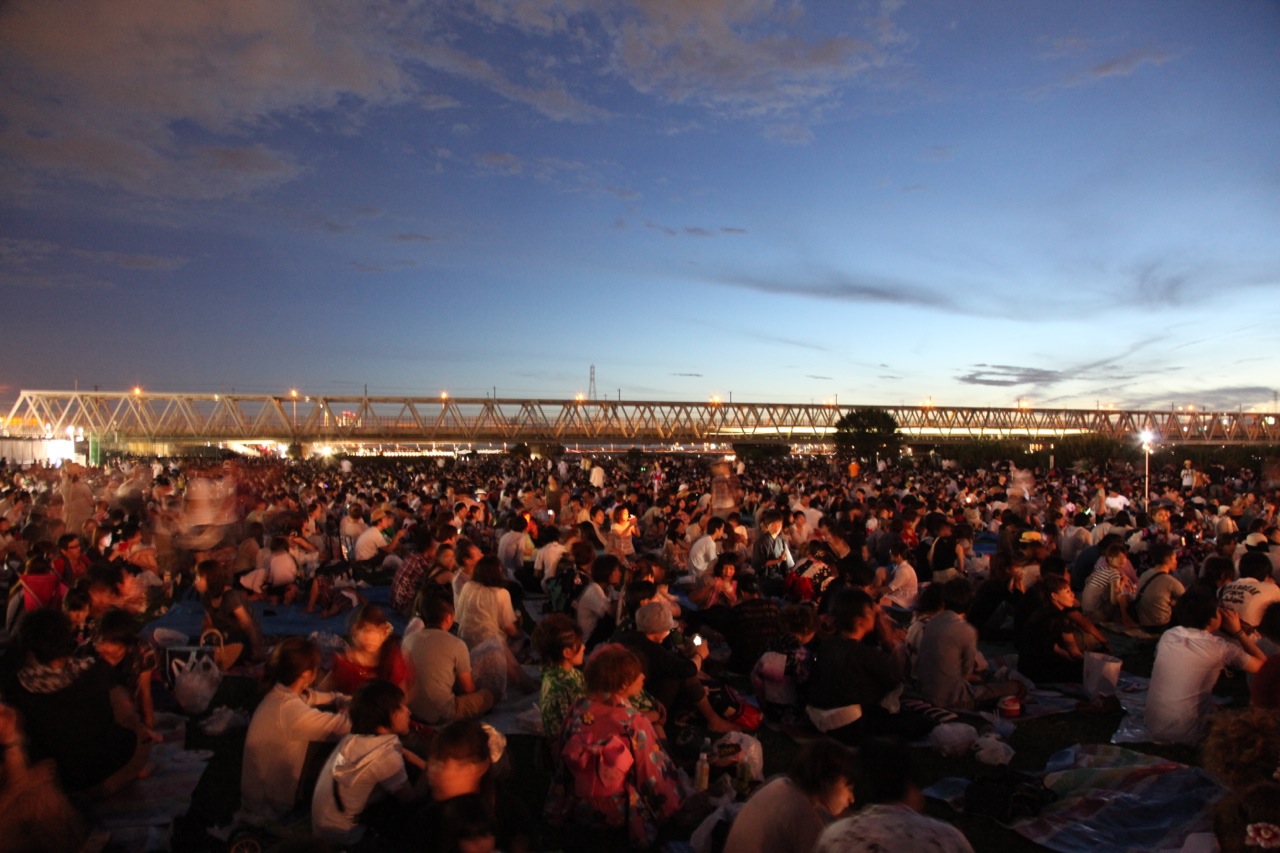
column 867, row 433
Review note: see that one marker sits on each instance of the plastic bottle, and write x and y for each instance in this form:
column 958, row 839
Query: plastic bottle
column 702, row 772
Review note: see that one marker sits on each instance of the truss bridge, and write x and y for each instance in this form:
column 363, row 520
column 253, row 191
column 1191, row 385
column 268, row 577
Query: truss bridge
column 131, row 417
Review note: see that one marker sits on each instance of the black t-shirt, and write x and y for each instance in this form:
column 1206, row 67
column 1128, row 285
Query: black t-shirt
column 851, row 672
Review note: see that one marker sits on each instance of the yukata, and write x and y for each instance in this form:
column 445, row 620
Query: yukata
column 612, row 773
column 561, row 689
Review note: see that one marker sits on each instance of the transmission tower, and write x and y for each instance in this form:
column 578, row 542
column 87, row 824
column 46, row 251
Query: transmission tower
column 591, row 386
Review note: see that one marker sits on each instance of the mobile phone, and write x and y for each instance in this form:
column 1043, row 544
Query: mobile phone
column 697, row 639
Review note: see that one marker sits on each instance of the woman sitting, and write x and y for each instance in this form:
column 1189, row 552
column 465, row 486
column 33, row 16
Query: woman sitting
column 283, row 726
column 558, row 641
column 789, row 813
column 613, row 772
column 484, row 612
column 227, row 611
column 373, row 651
column 74, row 712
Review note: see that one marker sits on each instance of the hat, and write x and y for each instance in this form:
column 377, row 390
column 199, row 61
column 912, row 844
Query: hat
column 1224, row 509
column 1256, row 540
column 377, row 515
column 1031, row 536
column 654, row 618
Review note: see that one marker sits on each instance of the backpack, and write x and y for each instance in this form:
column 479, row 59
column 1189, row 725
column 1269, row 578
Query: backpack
column 564, row 589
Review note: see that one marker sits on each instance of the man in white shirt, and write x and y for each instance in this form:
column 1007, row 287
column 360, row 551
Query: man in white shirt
column 702, row 556
column 1253, row 592
column 1189, row 659
column 373, row 540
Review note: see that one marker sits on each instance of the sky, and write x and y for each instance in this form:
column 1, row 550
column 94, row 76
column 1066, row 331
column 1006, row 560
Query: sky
column 1069, row 204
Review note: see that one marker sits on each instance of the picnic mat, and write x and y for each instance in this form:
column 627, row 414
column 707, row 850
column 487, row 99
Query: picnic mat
column 139, row 816
column 1112, row 798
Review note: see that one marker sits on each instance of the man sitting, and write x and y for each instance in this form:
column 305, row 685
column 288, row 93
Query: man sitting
column 442, row 689
column 950, row 667
column 1189, row 659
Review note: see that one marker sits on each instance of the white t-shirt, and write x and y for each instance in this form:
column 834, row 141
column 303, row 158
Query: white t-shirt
column 1188, row 661
column 904, row 586
column 370, row 541
column 482, row 612
column 356, row 770
column 1250, row 598
column 591, row 605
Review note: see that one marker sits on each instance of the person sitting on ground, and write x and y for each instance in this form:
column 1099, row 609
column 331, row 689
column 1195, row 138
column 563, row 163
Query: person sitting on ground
column 228, row 612
column 622, row 530
column 672, row 677
column 950, row 669
column 132, row 661
column 771, row 554
column 1048, row 650
column 1189, row 659
column 364, row 784
column 887, row 788
column 374, row 545
column 558, row 641
column 752, row 627
column 408, row 578
column 1248, row 819
column 928, row 605
column 900, row 586
column 373, row 651
column 1265, row 689
column 441, row 688
column 287, row 720
column 74, row 712
column 484, row 612
column 333, row 590
column 856, row 680
column 789, row 812
column 595, row 605
column 612, row 772
column 722, row 589
column 1158, row 590
column 1253, row 592
column 1108, row 592
column 1242, row 746
column 35, row 815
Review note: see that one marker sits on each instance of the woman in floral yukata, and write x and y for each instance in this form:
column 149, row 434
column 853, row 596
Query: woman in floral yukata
column 612, row 771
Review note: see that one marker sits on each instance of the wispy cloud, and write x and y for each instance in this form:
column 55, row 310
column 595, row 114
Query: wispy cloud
column 501, row 163
column 694, row 230
column 844, row 288
column 412, row 237
column 697, row 375
column 152, row 263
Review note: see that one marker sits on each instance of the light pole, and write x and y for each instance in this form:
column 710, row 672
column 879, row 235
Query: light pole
column 293, row 392
column 1147, row 437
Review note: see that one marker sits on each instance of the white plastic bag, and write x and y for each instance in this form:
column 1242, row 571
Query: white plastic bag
column 989, row 749
column 195, row 681
column 750, row 752
column 1101, row 674
column 953, row 738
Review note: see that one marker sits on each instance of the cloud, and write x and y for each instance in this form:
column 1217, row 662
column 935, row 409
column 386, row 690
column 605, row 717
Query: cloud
column 500, row 163
column 1219, row 398
column 815, row 376
column 156, row 98
column 719, row 54
column 698, row 375
column 1004, row 375
column 843, row 287
column 791, row 134
column 382, row 267
column 52, row 281
column 411, row 237
column 438, row 102
column 150, row 263
column 694, row 230
column 1120, row 66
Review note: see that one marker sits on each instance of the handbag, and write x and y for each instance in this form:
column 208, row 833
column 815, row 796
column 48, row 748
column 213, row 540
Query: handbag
column 197, row 677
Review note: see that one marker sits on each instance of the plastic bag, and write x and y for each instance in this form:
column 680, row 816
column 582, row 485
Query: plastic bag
column 737, row 748
column 1101, row 674
column 195, row 681
column 489, row 667
column 989, row 749
column 953, row 738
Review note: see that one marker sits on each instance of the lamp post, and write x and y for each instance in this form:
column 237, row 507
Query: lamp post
column 1147, row 437
column 293, row 392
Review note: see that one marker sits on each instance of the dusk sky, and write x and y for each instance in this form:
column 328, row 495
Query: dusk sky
column 1071, row 203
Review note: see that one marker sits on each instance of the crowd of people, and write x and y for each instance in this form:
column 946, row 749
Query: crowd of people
column 669, row 601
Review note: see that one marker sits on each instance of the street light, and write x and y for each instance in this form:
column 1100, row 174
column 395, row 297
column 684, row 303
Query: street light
column 1147, row 437
column 293, row 392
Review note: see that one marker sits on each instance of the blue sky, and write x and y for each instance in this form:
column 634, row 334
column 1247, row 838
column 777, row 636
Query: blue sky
column 1071, row 204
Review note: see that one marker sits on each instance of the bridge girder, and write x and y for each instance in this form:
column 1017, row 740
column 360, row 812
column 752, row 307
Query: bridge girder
column 335, row 419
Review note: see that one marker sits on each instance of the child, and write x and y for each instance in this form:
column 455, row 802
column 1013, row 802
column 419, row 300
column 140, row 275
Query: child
column 367, row 766
column 132, row 663
column 76, row 605
column 558, row 641
column 781, row 671
column 333, row 590
column 372, row 652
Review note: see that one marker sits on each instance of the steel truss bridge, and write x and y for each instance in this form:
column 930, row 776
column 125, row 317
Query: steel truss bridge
column 132, row 417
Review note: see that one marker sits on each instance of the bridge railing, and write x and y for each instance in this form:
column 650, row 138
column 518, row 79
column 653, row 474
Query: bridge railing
column 160, row 417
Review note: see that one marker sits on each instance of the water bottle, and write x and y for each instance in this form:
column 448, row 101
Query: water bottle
column 702, row 773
